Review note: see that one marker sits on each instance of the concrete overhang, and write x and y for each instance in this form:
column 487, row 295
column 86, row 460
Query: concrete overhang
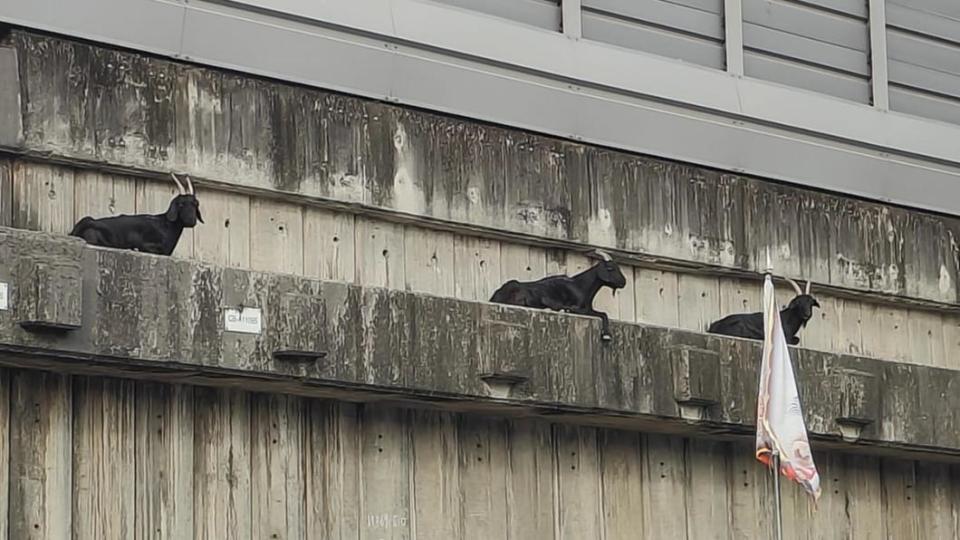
column 77, row 309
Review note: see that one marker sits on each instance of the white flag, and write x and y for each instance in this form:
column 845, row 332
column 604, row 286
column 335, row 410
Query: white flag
column 780, row 424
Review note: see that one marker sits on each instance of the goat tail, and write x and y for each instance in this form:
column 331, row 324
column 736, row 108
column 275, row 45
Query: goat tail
column 81, row 226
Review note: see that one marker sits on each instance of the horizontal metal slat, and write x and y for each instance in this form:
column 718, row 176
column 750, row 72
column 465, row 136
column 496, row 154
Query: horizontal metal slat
column 654, row 40
column 921, row 22
column 542, row 13
column 856, row 8
column 809, row 22
column 625, row 6
column 713, row 6
column 922, row 78
column 922, row 104
column 689, row 19
column 798, row 75
column 947, row 8
column 810, row 50
column 913, row 49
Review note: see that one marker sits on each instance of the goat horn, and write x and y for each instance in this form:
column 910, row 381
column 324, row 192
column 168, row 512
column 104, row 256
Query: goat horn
column 189, row 185
column 796, row 286
column 808, row 287
column 603, row 255
column 177, row 182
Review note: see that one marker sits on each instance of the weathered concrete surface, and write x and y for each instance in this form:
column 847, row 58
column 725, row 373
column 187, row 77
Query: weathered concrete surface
column 91, row 104
column 107, row 458
column 6, row 194
column 158, row 314
column 11, row 128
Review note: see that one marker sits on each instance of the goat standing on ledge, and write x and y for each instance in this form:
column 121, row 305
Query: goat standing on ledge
column 792, row 318
column 148, row 233
column 564, row 293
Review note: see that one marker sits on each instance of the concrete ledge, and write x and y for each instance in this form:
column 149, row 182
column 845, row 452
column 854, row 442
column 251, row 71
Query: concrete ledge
column 166, row 318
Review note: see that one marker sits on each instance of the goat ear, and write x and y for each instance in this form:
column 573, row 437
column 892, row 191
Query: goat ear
column 199, row 217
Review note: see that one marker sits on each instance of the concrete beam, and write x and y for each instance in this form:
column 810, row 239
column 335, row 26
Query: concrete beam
column 241, row 133
column 165, row 318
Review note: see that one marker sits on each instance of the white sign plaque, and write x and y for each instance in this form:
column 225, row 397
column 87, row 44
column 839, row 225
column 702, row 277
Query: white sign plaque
column 3, row 297
column 244, row 321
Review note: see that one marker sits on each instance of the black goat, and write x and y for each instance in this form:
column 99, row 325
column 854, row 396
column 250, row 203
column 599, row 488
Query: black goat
column 792, row 318
column 149, row 233
column 564, row 293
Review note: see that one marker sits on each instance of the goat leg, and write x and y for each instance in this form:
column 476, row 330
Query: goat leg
column 550, row 303
column 605, row 334
column 155, row 248
column 605, row 321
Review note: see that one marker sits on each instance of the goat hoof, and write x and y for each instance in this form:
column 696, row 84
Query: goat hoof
column 606, row 337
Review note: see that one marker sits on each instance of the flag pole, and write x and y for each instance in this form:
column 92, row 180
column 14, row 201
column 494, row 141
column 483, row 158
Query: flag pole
column 778, row 517
column 776, row 495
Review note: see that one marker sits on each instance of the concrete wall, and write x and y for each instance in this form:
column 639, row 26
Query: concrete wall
column 102, row 458
column 71, row 307
column 266, row 233
column 89, row 104
column 322, row 185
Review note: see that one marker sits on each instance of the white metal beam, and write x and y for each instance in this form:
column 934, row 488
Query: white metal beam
column 733, row 35
column 572, row 19
column 878, row 54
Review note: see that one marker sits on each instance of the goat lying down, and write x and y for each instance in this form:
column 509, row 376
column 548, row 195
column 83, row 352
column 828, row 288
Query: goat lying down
column 148, row 233
column 750, row 325
column 565, row 293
